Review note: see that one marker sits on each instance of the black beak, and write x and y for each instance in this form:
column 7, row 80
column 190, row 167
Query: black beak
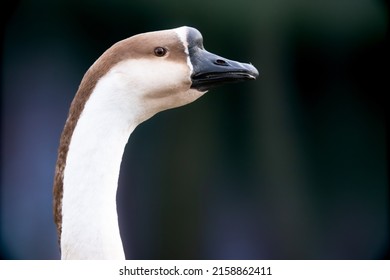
column 210, row 70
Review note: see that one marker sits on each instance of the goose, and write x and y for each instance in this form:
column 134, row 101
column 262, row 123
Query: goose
column 128, row 84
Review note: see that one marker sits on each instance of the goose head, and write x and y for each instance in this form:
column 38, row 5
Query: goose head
column 164, row 69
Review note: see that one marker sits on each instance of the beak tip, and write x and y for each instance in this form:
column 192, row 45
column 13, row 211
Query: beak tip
column 252, row 71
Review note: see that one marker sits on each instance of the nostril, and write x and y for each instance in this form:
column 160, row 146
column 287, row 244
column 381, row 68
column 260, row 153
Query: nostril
column 221, row 62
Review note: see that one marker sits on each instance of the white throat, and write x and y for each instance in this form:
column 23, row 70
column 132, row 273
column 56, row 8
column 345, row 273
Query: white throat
column 131, row 92
column 90, row 225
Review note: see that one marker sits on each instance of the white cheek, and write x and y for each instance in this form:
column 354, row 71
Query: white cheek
column 145, row 76
column 152, row 85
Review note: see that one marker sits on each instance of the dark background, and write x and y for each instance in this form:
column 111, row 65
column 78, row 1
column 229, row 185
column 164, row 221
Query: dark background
column 291, row 166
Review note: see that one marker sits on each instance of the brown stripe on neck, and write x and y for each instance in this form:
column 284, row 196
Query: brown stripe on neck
column 84, row 92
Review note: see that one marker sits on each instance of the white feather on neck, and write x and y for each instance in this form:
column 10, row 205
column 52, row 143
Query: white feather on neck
column 121, row 100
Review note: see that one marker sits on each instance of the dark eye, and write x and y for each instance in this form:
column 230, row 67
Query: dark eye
column 160, row 51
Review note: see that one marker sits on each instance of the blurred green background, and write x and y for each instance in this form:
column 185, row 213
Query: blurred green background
column 291, row 166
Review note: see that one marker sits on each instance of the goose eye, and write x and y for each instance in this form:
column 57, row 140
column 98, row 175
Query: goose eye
column 160, row 51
